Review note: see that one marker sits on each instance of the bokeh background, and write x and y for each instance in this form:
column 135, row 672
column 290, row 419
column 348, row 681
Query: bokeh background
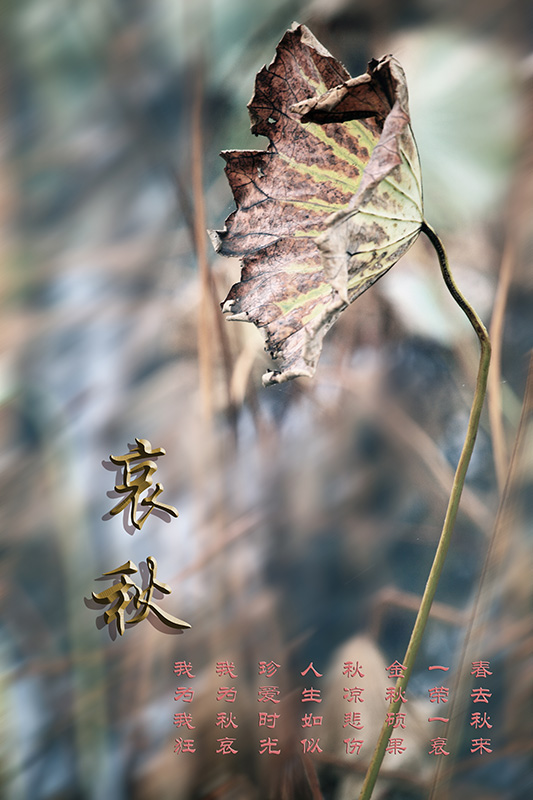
column 309, row 512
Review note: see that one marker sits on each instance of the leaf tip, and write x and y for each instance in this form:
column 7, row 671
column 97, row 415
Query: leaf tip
column 271, row 377
column 241, row 316
column 230, row 307
column 216, row 240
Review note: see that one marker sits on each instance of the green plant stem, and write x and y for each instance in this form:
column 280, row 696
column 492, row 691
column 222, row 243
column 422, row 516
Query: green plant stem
column 451, row 513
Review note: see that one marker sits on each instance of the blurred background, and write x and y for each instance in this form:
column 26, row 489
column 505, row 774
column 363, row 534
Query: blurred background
column 308, row 512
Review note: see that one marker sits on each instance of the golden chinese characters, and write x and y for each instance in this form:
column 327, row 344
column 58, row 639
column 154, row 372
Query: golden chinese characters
column 125, row 591
column 137, row 478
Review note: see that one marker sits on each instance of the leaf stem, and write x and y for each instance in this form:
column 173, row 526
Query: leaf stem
column 451, row 513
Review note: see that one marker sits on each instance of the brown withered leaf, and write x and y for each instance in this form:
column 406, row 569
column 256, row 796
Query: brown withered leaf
column 329, row 206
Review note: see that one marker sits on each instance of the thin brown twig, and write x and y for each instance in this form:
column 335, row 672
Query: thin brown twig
column 211, row 328
column 312, row 778
column 495, row 376
column 227, row 360
column 205, row 339
column 185, row 205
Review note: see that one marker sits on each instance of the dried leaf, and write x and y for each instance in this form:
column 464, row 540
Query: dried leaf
column 329, row 206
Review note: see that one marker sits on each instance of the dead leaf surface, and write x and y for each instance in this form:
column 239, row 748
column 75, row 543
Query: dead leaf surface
column 329, row 206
